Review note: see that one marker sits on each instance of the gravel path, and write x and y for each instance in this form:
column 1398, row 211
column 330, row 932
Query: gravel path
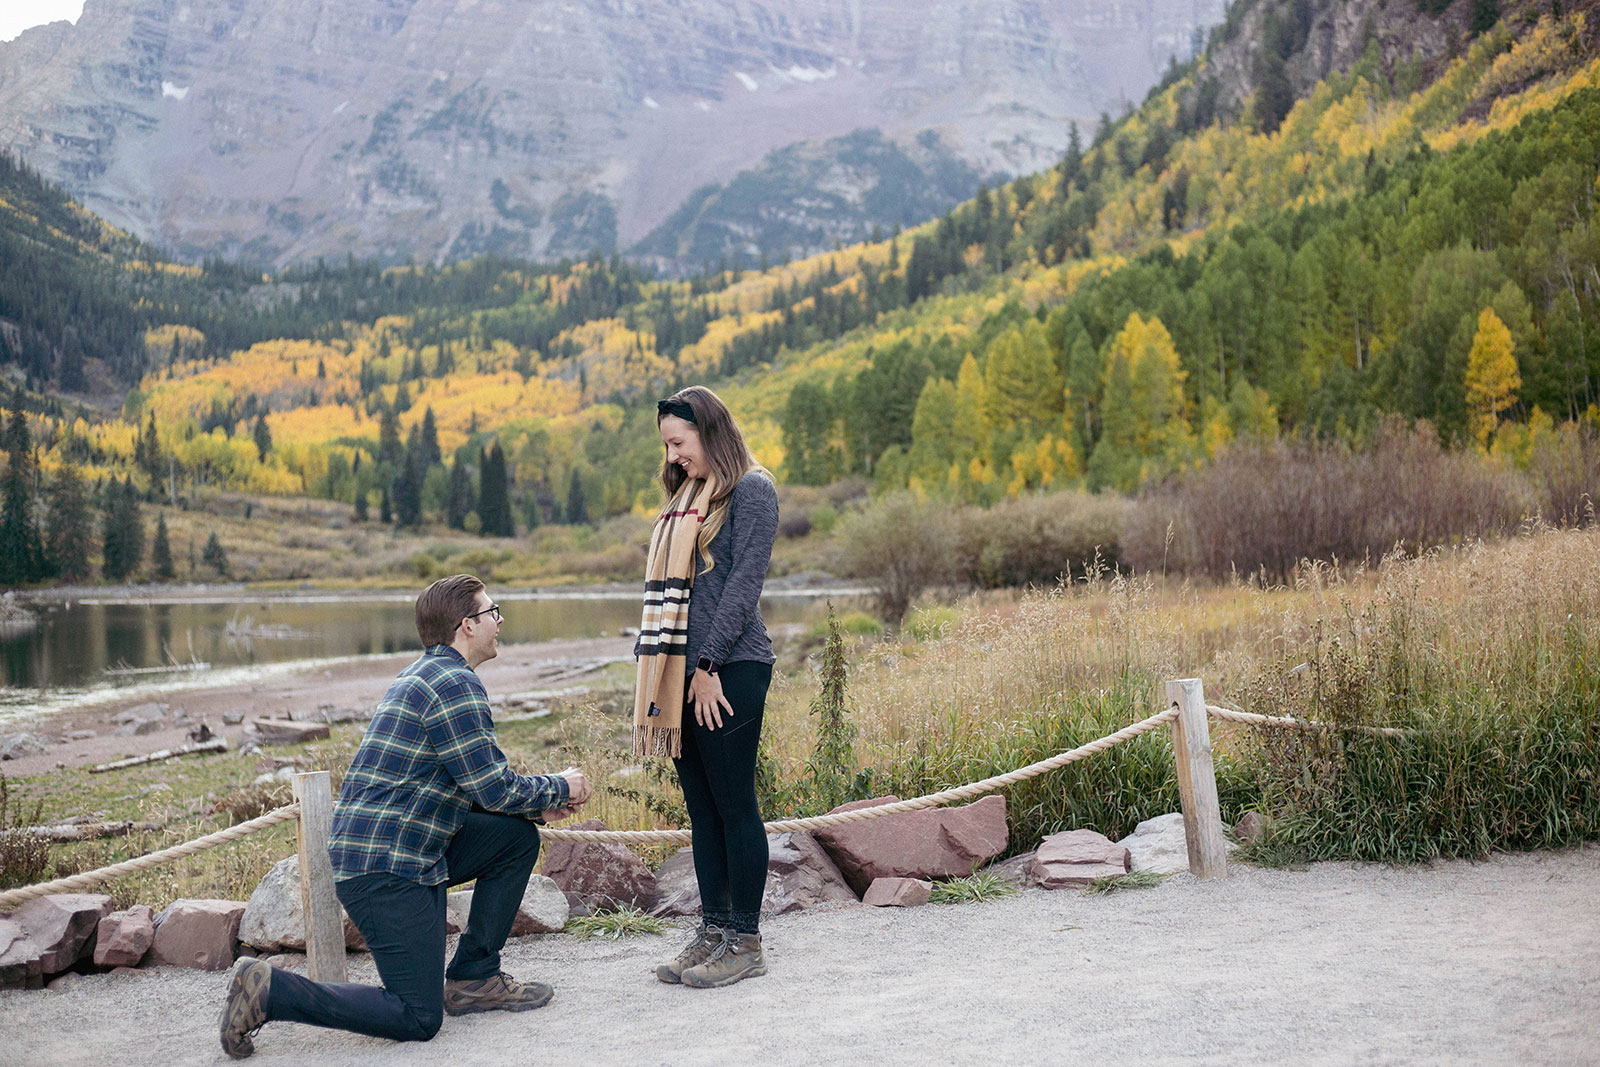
column 1496, row 962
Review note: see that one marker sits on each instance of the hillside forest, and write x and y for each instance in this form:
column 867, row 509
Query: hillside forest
column 1410, row 241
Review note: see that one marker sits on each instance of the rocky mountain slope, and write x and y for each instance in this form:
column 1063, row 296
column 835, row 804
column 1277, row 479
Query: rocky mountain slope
column 443, row 128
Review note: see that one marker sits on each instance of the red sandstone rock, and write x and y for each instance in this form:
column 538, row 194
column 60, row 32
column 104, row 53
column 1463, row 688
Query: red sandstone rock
column 19, row 958
column 197, row 933
column 600, row 875
column 931, row 843
column 124, row 937
column 897, row 892
column 1078, row 857
column 800, row 875
column 63, row 926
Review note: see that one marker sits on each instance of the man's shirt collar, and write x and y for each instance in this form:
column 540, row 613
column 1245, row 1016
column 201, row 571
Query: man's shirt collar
column 448, row 651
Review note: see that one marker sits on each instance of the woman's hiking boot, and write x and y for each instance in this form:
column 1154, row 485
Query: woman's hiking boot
column 694, row 953
column 736, row 957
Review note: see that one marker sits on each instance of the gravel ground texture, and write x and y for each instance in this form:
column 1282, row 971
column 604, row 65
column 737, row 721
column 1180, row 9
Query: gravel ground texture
column 1491, row 962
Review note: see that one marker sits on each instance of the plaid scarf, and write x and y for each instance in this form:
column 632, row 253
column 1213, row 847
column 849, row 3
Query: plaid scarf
column 664, row 631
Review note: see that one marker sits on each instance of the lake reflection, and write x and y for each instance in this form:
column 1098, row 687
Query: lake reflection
column 74, row 644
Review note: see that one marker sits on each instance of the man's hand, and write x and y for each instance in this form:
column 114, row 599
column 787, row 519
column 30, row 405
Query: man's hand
column 578, row 791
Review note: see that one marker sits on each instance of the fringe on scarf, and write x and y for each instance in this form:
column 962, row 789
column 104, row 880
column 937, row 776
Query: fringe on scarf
column 658, row 741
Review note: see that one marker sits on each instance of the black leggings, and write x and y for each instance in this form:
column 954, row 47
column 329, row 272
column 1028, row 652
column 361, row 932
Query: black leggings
column 718, row 774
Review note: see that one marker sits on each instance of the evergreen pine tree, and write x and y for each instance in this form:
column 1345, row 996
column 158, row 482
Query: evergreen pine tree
column 21, row 554
column 161, row 552
column 215, row 556
column 122, row 531
column 361, row 502
column 408, row 484
column 153, row 460
column 262, row 435
column 577, row 506
column 385, row 510
column 460, row 499
column 389, row 437
column 70, row 523
column 431, row 455
column 494, row 503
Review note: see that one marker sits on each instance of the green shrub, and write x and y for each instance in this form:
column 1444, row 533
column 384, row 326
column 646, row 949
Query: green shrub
column 1038, row 540
column 900, row 546
column 931, row 623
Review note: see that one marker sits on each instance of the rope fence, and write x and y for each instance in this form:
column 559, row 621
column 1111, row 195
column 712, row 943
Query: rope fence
column 931, row 800
column 1253, row 719
column 77, row 883
column 1186, row 711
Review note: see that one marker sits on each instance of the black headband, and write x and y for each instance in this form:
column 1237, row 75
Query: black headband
column 674, row 407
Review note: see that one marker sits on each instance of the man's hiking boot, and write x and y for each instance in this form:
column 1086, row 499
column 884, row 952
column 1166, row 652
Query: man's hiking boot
column 244, row 1009
column 735, row 957
column 498, row 993
column 694, row 953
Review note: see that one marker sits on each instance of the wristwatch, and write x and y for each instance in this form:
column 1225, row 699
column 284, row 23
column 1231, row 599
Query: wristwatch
column 704, row 664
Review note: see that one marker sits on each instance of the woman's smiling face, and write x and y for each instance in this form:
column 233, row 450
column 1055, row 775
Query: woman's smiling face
column 684, row 449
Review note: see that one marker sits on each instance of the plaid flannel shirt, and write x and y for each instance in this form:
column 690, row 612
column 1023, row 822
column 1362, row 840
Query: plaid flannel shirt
column 427, row 757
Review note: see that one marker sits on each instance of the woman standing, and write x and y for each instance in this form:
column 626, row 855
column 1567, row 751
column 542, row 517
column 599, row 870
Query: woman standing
column 705, row 663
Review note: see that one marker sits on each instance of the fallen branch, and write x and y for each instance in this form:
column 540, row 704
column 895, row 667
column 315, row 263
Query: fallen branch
column 216, row 744
column 88, row 831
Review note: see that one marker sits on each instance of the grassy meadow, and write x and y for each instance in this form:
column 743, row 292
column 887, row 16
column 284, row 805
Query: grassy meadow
column 1490, row 652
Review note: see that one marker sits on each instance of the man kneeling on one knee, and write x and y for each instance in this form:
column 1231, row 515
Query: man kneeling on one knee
column 429, row 802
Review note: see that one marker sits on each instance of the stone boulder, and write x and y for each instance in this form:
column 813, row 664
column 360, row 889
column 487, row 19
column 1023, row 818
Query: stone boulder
column 20, row 965
column 1018, row 870
column 1250, row 828
column 141, row 713
column 931, row 843
column 123, row 937
column 1158, row 845
column 140, row 728
column 197, row 933
column 275, row 919
column 16, row 746
column 1077, row 857
column 601, row 875
column 800, row 875
column 289, row 732
column 897, row 893
column 63, row 926
column 544, row 908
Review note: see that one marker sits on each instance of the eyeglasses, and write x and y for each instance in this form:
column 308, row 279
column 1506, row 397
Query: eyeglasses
column 492, row 607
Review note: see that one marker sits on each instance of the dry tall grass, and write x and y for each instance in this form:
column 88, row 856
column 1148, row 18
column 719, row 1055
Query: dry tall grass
column 1491, row 651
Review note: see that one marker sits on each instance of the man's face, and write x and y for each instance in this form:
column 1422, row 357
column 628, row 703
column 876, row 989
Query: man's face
column 482, row 630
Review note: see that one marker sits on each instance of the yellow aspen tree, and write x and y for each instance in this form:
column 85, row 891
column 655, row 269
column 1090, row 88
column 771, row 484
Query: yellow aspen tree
column 1492, row 380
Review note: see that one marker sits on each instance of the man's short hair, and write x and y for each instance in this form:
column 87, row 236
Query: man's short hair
column 443, row 605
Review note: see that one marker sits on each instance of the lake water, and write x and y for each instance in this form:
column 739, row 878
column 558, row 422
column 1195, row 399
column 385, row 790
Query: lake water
column 82, row 650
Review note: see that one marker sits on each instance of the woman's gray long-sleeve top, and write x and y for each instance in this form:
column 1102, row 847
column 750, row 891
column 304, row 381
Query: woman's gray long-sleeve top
column 725, row 623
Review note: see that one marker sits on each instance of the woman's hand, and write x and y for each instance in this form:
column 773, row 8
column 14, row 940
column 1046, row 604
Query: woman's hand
column 709, row 703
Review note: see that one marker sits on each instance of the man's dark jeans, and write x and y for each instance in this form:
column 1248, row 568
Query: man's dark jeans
column 403, row 924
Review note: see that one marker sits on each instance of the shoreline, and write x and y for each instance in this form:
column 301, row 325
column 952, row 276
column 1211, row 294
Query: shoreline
column 292, row 689
column 804, row 584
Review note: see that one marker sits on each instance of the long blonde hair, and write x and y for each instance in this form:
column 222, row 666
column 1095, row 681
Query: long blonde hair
column 726, row 454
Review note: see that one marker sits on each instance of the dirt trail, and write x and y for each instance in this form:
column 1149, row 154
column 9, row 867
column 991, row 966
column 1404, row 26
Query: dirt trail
column 1455, row 963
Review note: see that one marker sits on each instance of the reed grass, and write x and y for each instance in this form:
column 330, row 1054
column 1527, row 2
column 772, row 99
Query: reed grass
column 624, row 921
column 979, row 887
column 1490, row 652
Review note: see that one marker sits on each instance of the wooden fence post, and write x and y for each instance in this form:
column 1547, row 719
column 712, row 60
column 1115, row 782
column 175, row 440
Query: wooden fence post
column 1197, row 779
column 324, row 918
